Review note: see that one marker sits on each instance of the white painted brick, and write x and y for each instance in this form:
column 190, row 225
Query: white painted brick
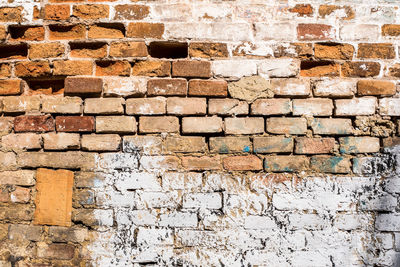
column 280, row 31
column 356, row 106
column 159, row 199
column 389, row 106
column 373, row 202
column 359, row 32
column 124, row 86
column 202, row 200
column 279, row 68
column 179, row 219
column 334, row 87
column 137, row 217
column 155, row 236
column 234, row 69
column 259, row 222
column 182, row 181
column 307, row 221
column 136, row 180
column 291, row 87
column 353, row 222
column 388, row 222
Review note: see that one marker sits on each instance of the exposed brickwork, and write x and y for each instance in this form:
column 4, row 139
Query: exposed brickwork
column 199, row 133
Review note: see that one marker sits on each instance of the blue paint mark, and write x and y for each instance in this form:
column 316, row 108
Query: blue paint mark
column 246, row 149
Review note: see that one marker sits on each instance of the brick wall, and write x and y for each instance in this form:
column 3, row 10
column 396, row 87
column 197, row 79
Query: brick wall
column 199, row 133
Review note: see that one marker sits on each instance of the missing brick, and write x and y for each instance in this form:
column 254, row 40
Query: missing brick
column 22, row 32
column 45, row 86
column 88, row 49
column 168, row 50
column 17, row 51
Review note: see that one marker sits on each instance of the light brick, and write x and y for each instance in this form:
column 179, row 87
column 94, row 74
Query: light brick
column 334, row 88
column 252, row 125
column 124, row 86
column 186, row 106
column 21, row 141
column 185, row 144
column 227, row 107
column 330, row 164
column 356, row 106
column 332, row 126
column 286, row 125
column 101, row 142
column 12, row 104
column 230, row 144
column 306, row 145
column 351, row 144
column 358, row 32
column 61, row 141
column 276, row 106
column 282, row 31
column 21, row 177
column 159, row 163
column 57, row 160
column 167, row 87
column 57, row 251
column 64, row 105
column 146, row 106
column 291, row 87
column 201, row 163
column 6, row 125
column 272, row 144
column 312, row 107
column 24, row 232
column 202, row 125
column 286, row 163
column 389, row 106
column 234, row 69
column 148, row 145
column 243, row 163
column 104, row 106
column 279, row 68
column 115, row 124
column 167, row 124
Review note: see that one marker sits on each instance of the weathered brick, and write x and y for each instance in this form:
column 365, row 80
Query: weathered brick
column 334, row 88
column 214, row 88
column 145, row 30
column 46, row 50
column 34, row 123
column 185, row 144
column 312, row 107
column 344, row 12
column 66, row 32
column 253, row 125
column 389, row 106
column 105, row 31
column 272, row 144
column 384, row 51
column 124, row 86
column 104, row 106
column 101, row 142
column 353, row 145
column 186, row 106
column 286, row 163
column 16, row 212
column 56, row 12
column 167, row 87
column 146, row 106
column 57, row 160
column 10, row 87
column 202, row 200
column 113, row 68
column 20, row 177
column 159, row 163
column 230, row 144
column 32, row 69
column 201, row 163
column 356, row 32
column 355, row 106
column 227, row 107
column 26, row 33
column 330, row 164
column 279, row 68
column 22, row 141
column 332, row 126
column 67, row 234
column 302, row 10
column 88, row 49
column 5, row 70
column 234, row 69
column 61, row 141
column 96, row 11
column 57, row 251
column 390, row 30
column 65, row 105
column 54, row 197
column 6, row 125
column 315, row 32
column 306, row 145
column 72, row 67
column 8, row 161
column 15, row 104
column 374, row 87
column 291, row 87
column 83, row 86
column 128, row 49
column 3, row 33
column 208, row 50
column 9, row 14
column 277, row 106
column 286, row 125
column 115, row 124
column 148, row 145
column 24, row 232
column 333, row 51
column 75, row 124
column 243, row 163
column 131, row 12
column 159, row 124
column 20, row 195
column 360, row 69
column 152, row 68
column 282, row 31
column 202, row 125
column 319, row 68
column 191, row 68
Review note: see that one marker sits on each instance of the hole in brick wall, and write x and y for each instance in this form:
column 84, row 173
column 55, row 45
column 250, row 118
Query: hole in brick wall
column 168, row 50
column 328, row 43
column 61, row 28
column 115, row 26
column 20, row 31
column 307, row 65
column 88, row 46
column 13, row 51
column 46, row 86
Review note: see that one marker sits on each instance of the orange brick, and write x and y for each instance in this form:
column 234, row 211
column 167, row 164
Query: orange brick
column 32, row 69
column 374, row 87
column 216, row 88
column 72, row 67
column 106, row 31
column 319, row 68
column 26, row 33
column 128, row 49
column 54, row 197
column 186, row 68
column 208, row 50
column 391, row 30
column 46, row 50
column 65, row 32
column 95, row 11
column 243, row 163
column 56, row 12
column 9, row 14
column 145, row 30
column 302, row 10
column 385, row 51
column 306, row 145
column 3, row 33
column 131, row 12
column 152, row 68
column 113, row 68
column 10, row 87
column 201, row 163
column 333, row 51
column 5, row 70
column 88, row 50
column 360, row 69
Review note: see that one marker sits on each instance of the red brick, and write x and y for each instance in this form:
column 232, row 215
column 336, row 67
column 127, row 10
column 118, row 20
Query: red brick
column 385, row 51
column 306, row 145
column 145, row 30
column 215, row 88
column 315, row 32
column 201, row 163
column 56, row 12
column 167, row 87
column 34, row 123
column 243, row 163
column 360, row 69
column 83, row 86
column 10, row 87
column 186, row 68
column 75, row 124
column 131, row 12
column 374, row 87
column 96, row 11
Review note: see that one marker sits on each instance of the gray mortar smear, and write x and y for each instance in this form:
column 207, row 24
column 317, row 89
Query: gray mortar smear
column 314, row 221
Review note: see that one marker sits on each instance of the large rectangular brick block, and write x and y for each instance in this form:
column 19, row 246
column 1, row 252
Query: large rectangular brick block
column 306, row 145
column 214, row 88
column 201, row 163
column 286, row 163
column 83, row 86
column 185, row 144
column 273, row 144
column 10, row 87
column 332, row 126
column 252, row 125
column 330, row 164
column 230, row 144
column 166, row 87
column 54, row 197
column 101, row 142
column 115, row 124
column 312, row 107
column 104, row 106
column 186, row 106
column 365, row 144
column 356, row 106
column 377, row 88
column 226, row 106
column 277, row 106
column 286, row 125
column 202, row 125
column 201, row 69
column 159, row 124
column 243, row 163
column 75, row 124
column 33, row 123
